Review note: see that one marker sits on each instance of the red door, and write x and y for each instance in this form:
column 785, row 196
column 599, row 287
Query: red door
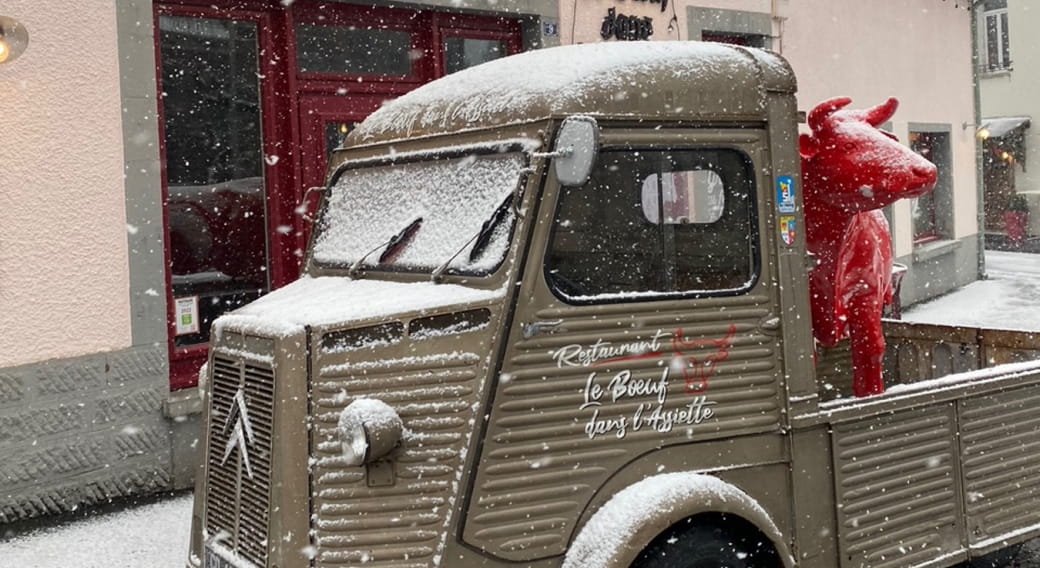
column 253, row 96
column 324, row 123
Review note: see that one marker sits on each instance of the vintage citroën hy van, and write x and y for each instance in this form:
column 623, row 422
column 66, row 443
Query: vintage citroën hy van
column 555, row 312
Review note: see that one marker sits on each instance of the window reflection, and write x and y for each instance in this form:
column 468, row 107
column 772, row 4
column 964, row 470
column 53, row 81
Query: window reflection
column 353, row 51
column 214, row 168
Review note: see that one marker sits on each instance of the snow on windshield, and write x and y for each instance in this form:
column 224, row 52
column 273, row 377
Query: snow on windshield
column 453, row 198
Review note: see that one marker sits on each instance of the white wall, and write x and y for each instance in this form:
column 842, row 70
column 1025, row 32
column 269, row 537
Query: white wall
column 1014, row 93
column 63, row 233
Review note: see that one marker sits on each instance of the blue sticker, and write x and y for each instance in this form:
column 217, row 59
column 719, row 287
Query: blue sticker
column 785, row 194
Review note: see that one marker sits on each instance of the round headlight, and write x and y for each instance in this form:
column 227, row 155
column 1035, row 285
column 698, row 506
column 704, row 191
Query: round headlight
column 355, row 440
column 368, row 428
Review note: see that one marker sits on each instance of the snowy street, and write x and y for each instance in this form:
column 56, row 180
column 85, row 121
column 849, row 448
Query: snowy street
column 1008, row 299
column 156, row 535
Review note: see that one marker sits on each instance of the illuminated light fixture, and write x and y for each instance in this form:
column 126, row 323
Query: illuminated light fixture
column 983, row 133
column 14, row 38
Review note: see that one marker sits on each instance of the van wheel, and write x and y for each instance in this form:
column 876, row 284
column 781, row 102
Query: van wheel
column 707, row 546
column 1000, row 559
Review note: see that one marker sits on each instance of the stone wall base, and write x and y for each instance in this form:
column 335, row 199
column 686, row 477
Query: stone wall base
column 88, row 430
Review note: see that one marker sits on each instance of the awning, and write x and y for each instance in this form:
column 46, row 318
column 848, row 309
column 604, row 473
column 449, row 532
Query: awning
column 1002, row 126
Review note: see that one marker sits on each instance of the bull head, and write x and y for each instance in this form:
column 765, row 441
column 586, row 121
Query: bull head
column 849, row 163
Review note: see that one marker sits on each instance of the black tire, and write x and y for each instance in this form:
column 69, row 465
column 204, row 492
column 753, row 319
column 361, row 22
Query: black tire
column 1004, row 558
column 704, row 545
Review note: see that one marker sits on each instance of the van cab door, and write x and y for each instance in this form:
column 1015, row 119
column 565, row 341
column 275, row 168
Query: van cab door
column 647, row 317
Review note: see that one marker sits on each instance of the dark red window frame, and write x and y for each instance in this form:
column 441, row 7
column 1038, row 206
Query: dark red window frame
column 185, row 361
column 287, row 93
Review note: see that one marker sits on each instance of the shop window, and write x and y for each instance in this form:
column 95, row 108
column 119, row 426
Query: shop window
column 214, row 169
column 467, row 40
column 335, row 135
column 463, row 52
column 932, row 212
column 736, row 27
column 995, row 18
column 750, row 40
column 656, row 223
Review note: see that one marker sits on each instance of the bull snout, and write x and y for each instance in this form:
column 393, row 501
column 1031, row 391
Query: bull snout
column 925, row 173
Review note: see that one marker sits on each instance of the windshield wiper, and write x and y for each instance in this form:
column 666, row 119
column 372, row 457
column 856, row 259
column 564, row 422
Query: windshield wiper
column 479, row 240
column 389, row 246
column 488, row 228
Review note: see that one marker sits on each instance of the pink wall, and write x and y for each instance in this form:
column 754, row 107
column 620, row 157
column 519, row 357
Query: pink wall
column 64, row 284
column 918, row 51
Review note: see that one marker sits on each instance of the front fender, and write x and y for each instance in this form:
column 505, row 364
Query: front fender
column 616, row 534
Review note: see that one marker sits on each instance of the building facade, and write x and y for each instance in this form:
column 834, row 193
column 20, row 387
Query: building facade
column 1008, row 68
column 190, row 132
column 198, row 126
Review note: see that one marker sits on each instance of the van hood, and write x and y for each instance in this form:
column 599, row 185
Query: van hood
column 334, row 300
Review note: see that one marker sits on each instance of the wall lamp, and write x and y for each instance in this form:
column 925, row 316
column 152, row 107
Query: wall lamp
column 981, row 134
column 14, row 38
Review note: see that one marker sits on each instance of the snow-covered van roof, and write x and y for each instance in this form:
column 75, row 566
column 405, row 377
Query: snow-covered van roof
column 644, row 80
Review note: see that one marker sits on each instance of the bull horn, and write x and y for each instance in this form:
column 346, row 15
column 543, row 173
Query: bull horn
column 825, row 109
column 881, row 113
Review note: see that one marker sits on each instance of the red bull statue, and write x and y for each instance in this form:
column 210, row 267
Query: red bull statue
column 850, row 170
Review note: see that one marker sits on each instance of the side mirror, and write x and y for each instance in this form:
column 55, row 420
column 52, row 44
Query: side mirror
column 575, row 152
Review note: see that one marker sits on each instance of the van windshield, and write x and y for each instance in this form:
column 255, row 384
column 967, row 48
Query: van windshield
column 415, row 216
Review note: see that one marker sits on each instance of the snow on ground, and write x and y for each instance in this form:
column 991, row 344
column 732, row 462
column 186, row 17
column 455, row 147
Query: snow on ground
column 1008, row 299
column 148, row 536
column 157, row 535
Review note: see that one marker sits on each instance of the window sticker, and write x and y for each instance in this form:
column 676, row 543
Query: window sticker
column 788, row 231
column 186, row 315
column 785, row 194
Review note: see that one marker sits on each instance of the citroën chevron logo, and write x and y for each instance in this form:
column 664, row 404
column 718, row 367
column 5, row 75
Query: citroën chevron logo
column 240, row 430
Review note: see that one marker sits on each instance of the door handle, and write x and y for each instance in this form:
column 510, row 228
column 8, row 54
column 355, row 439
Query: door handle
column 539, row 327
column 770, row 324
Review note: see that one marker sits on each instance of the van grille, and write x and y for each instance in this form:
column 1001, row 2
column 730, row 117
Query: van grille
column 236, row 504
column 403, row 523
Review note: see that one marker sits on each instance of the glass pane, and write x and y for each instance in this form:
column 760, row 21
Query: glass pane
column 418, row 216
column 608, row 244
column 353, row 51
column 684, row 197
column 923, row 208
column 335, row 134
column 1005, row 43
column 461, row 52
column 214, row 168
column 992, row 41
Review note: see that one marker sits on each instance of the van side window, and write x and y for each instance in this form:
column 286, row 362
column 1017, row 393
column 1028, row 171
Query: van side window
column 656, row 223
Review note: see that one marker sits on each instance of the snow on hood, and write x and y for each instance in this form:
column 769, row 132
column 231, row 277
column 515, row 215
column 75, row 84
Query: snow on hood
column 559, row 77
column 331, row 300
